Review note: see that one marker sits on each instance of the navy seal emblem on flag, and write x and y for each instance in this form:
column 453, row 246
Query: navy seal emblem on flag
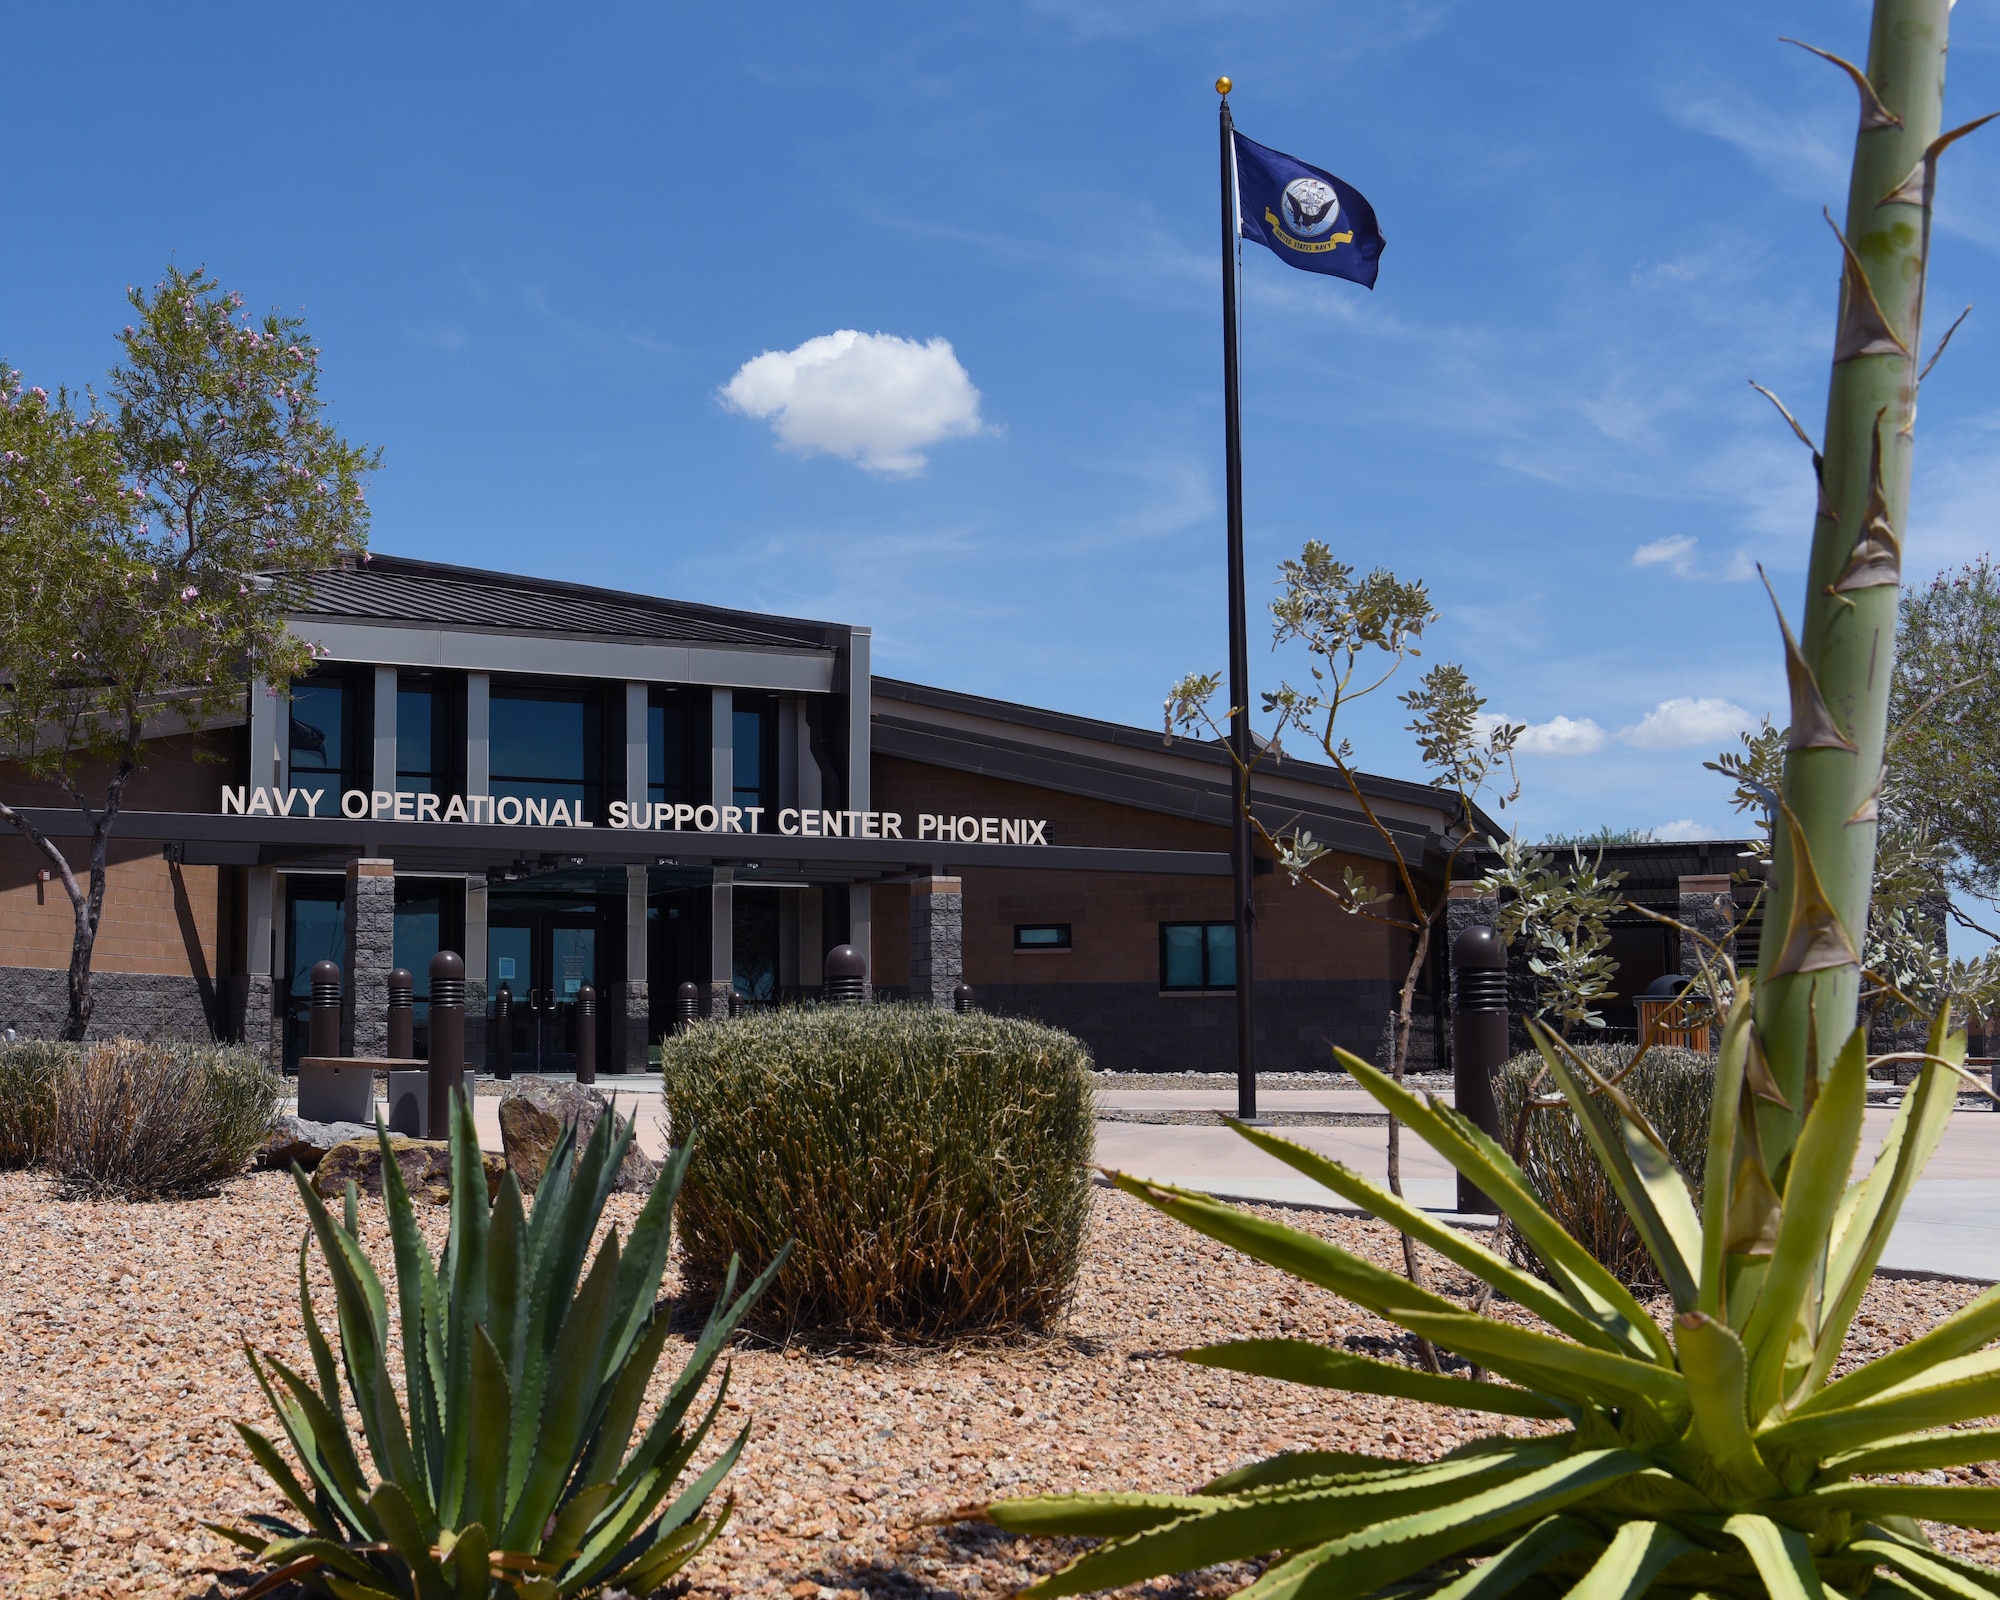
column 1311, row 207
column 1303, row 215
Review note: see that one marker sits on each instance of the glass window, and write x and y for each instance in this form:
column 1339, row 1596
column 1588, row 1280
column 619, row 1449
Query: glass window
column 315, row 931
column 669, row 751
column 415, row 748
column 754, row 749
column 547, row 745
column 1041, row 936
column 1197, row 955
column 322, row 731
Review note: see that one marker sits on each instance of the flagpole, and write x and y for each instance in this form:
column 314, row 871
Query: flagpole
column 1242, row 864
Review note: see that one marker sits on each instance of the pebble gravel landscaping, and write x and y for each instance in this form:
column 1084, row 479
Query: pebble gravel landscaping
column 121, row 1370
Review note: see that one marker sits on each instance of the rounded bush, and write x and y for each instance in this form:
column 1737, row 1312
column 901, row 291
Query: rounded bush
column 930, row 1168
column 1673, row 1087
column 138, row 1121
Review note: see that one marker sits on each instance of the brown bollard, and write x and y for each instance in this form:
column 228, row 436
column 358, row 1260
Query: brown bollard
column 503, row 1034
column 586, row 1035
column 323, row 1026
column 1478, row 1040
column 402, row 1015
column 447, row 1059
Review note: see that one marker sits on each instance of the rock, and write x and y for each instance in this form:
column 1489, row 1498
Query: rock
column 532, row 1116
column 294, row 1139
column 424, row 1163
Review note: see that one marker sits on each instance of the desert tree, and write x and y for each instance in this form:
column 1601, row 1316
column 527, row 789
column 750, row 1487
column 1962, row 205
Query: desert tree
column 150, row 548
column 1357, row 633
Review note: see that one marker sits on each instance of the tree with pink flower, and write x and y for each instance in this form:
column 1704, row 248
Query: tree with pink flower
column 150, row 549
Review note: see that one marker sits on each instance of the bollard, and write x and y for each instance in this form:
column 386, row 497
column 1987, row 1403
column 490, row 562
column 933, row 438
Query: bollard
column 323, row 1031
column 687, row 1006
column 1478, row 1039
column 961, row 999
column 503, row 1034
column 586, row 1035
column 846, row 976
column 447, row 1061
column 402, row 1015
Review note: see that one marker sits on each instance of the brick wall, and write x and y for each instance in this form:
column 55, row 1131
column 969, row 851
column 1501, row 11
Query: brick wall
column 159, row 920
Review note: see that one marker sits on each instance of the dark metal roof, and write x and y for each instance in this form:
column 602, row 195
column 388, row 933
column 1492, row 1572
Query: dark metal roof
column 1125, row 768
column 1653, row 870
column 397, row 589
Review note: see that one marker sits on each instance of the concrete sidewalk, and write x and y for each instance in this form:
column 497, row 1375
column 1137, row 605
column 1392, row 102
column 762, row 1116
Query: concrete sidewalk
column 1950, row 1225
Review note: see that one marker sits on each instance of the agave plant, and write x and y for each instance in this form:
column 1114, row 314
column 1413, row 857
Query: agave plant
column 513, row 1471
column 1720, row 1456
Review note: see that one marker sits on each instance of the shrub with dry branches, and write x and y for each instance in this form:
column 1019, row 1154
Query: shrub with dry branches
column 141, row 1121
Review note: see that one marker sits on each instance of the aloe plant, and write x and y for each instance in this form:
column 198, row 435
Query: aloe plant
column 508, row 1466
column 1718, row 1455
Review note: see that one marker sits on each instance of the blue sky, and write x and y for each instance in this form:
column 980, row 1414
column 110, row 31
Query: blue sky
column 538, row 243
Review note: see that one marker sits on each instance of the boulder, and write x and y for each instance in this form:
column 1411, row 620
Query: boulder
column 424, row 1163
column 295, row 1139
column 532, row 1116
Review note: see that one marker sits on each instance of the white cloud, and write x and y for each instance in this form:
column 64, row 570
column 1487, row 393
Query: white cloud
column 1676, row 551
column 1682, row 721
column 1685, row 828
column 1559, row 736
column 1562, row 736
column 872, row 398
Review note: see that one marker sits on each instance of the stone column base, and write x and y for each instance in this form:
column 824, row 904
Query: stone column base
column 633, row 1024
column 937, row 934
column 718, row 999
column 371, row 953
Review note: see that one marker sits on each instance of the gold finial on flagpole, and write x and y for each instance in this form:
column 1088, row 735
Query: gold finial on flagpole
column 1223, row 85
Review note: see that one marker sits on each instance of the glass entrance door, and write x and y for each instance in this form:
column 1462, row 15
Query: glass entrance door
column 544, row 957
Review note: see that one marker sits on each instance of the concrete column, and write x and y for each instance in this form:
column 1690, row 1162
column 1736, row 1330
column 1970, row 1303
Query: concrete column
column 937, row 931
column 788, row 752
column 722, row 747
column 721, row 942
column 638, row 702
column 478, row 717
column 475, row 974
column 371, row 953
column 812, row 927
column 860, row 722
column 263, row 1027
column 633, row 1034
column 269, row 715
column 810, row 795
column 861, row 927
column 1709, row 908
column 385, row 729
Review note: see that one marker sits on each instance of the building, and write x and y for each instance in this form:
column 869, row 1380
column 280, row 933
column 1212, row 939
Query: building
column 577, row 786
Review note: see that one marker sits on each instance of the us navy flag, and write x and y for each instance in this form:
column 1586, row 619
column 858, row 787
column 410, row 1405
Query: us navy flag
column 1304, row 216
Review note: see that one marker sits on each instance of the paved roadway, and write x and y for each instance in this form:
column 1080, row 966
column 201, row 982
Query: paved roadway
column 1950, row 1225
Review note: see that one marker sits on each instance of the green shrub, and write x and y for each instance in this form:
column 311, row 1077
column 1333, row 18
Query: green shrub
column 140, row 1121
column 28, row 1072
column 1671, row 1086
column 929, row 1168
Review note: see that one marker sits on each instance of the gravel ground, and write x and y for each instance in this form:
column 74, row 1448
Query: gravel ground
column 121, row 1369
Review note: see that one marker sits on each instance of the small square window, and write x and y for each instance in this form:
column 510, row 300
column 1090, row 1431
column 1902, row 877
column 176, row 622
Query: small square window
column 1197, row 955
column 1041, row 936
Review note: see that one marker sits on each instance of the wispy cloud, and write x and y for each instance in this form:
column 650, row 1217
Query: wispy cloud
column 447, row 338
column 1675, row 552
